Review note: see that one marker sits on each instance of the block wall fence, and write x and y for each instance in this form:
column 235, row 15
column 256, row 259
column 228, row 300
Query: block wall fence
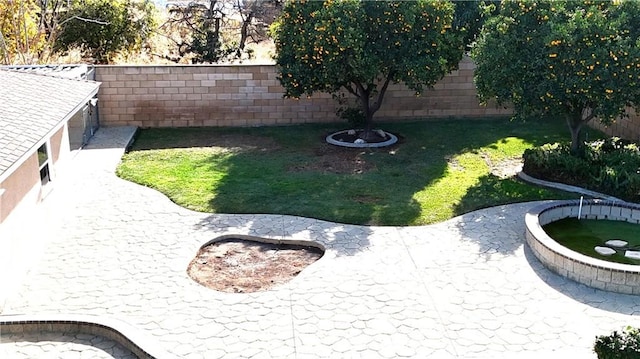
column 250, row 95
column 628, row 128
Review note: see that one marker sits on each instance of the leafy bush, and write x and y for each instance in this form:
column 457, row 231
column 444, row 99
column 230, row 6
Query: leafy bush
column 104, row 27
column 611, row 166
column 625, row 345
column 354, row 116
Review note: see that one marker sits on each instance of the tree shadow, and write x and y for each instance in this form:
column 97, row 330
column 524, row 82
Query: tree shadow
column 312, row 179
column 280, row 171
column 499, row 191
column 340, row 239
column 511, row 198
column 499, row 229
column 611, row 302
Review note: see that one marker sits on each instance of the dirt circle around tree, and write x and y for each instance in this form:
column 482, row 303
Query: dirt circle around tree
column 239, row 265
column 354, row 138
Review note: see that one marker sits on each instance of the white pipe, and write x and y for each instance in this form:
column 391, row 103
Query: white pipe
column 580, row 208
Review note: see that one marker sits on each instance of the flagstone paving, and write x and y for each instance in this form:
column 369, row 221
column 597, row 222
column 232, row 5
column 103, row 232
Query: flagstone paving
column 465, row 288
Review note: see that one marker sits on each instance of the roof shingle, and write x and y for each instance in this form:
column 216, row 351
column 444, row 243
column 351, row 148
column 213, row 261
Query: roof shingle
column 33, row 105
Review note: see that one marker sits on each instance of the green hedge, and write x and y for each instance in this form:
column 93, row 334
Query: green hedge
column 610, row 166
column 625, row 345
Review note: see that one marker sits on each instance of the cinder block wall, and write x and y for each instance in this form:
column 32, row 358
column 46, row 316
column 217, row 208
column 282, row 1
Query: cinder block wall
column 628, row 128
column 250, row 95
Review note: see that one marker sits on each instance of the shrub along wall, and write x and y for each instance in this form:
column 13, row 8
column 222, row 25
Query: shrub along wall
column 250, row 95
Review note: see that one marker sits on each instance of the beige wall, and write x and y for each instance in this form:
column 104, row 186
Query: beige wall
column 250, row 95
column 628, row 128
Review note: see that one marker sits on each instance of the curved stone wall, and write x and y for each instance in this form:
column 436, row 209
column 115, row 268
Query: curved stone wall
column 140, row 344
column 596, row 273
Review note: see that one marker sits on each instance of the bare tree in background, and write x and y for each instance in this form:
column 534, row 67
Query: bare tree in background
column 255, row 16
column 216, row 30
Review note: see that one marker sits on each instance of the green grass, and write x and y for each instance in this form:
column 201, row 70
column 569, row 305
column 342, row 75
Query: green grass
column 584, row 235
column 437, row 171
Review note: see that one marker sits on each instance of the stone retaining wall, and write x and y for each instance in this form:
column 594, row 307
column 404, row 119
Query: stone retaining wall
column 596, row 273
column 250, row 95
column 140, row 344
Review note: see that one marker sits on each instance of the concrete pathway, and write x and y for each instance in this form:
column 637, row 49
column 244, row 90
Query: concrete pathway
column 465, row 288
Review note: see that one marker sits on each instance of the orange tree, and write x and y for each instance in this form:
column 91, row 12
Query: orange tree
column 362, row 46
column 576, row 60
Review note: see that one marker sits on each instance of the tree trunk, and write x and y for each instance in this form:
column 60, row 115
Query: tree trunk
column 244, row 34
column 575, row 126
column 368, row 111
column 576, row 119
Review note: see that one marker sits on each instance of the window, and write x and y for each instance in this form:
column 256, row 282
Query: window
column 43, row 163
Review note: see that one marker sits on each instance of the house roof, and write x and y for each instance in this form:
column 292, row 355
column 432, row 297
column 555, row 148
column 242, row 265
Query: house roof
column 31, row 107
column 78, row 72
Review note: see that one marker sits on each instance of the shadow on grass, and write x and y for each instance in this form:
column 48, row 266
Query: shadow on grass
column 291, row 171
column 499, row 191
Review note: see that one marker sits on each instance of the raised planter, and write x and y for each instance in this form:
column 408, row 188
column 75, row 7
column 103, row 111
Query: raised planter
column 334, row 140
column 596, row 273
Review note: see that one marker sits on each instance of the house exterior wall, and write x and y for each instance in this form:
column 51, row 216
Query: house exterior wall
column 20, row 188
column 76, row 130
column 23, row 189
column 60, row 145
column 250, row 95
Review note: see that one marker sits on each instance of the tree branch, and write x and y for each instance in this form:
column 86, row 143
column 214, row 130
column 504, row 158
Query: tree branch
column 85, row 20
column 383, row 90
column 351, row 90
column 363, row 92
column 587, row 114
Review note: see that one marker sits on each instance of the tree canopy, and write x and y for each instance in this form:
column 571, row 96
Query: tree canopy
column 21, row 38
column 362, row 46
column 103, row 27
column 216, row 30
column 575, row 60
column 37, row 31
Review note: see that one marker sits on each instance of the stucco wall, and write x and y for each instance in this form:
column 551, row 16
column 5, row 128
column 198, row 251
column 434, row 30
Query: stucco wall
column 60, row 145
column 250, row 95
column 21, row 186
column 22, row 189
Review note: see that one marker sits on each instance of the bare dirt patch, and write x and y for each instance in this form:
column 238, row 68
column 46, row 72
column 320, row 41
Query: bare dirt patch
column 239, row 143
column 453, row 163
column 331, row 159
column 243, row 266
column 506, row 168
column 227, row 142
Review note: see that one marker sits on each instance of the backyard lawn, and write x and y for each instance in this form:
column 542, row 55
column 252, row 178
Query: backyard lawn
column 438, row 170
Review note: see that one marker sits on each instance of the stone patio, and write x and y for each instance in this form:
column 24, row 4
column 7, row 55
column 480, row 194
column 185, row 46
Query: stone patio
column 465, row 288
